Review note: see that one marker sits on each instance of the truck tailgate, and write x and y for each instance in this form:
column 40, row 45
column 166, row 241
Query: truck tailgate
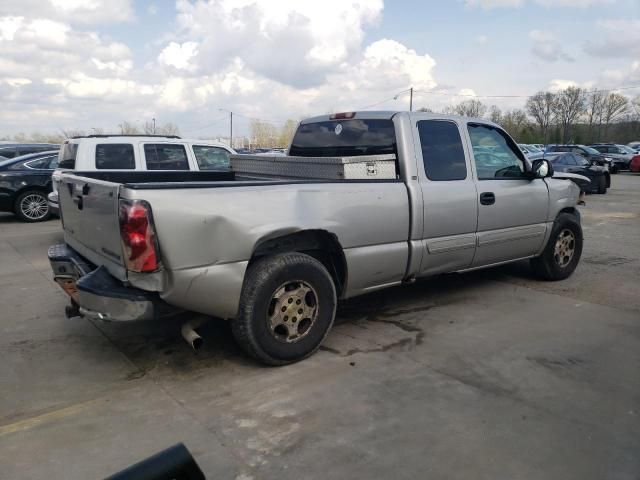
column 90, row 221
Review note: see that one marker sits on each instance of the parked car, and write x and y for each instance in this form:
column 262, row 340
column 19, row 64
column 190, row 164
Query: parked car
column 574, row 163
column 635, row 146
column 24, row 184
column 594, row 156
column 634, row 166
column 137, row 153
column 621, row 154
column 532, row 152
column 12, row 150
column 275, row 255
column 539, row 146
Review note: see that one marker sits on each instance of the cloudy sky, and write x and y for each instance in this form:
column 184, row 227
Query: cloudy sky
column 94, row 63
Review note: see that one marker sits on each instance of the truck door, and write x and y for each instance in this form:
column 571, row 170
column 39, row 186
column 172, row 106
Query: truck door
column 449, row 195
column 512, row 208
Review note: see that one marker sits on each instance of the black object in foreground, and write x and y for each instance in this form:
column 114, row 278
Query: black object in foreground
column 174, row 463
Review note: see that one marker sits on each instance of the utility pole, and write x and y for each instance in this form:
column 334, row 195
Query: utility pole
column 230, row 125
column 410, row 90
column 154, row 126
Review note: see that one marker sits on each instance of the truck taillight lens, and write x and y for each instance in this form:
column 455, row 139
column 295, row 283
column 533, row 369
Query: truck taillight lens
column 138, row 237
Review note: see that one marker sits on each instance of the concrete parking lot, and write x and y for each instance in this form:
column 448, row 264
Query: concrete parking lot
column 486, row 375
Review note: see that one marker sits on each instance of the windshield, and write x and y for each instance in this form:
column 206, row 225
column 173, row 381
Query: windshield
column 6, row 161
column 591, row 151
column 338, row 138
column 626, row 149
column 67, row 155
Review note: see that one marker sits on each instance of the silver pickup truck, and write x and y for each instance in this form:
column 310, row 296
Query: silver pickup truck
column 274, row 255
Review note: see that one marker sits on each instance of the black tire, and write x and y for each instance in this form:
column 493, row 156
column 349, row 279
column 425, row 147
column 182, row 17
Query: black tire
column 253, row 328
column 548, row 266
column 615, row 169
column 25, row 209
column 602, row 185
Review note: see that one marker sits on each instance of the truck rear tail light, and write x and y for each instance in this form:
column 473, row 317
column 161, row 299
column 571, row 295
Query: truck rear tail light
column 138, row 238
column 342, row 116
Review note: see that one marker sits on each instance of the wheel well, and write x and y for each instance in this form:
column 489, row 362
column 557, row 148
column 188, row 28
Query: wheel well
column 319, row 244
column 571, row 211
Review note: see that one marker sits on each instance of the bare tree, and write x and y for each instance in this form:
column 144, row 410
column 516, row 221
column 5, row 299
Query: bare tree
column 263, row 134
column 72, row 132
column 495, row 114
column 470, row 108
column 127, row 128
column 540, row 107
column 168, row 129
column 515, row 121
column 569, row 105
column 286, row 133
column 614, row 106
column 595, row 102
column 425, row 109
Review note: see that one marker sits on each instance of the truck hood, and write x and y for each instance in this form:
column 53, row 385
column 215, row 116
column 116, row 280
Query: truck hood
column 571, row 176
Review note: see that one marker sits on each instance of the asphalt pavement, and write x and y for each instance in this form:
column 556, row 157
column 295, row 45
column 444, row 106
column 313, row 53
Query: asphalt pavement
column 486, row 375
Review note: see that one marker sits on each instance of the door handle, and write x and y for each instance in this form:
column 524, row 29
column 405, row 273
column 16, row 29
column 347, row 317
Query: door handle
column 487, row 198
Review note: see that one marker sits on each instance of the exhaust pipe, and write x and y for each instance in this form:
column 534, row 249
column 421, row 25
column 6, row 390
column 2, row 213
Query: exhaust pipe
column 189, row 333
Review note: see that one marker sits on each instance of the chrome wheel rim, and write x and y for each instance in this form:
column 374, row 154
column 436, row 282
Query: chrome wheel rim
column 34, row 206
column 565, row 248
column 293, row 311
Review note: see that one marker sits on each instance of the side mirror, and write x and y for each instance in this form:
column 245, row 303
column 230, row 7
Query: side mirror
column 541, row 168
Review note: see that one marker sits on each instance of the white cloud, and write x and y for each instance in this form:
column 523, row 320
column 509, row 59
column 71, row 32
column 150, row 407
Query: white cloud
column 70, row 11
column 490, row 4
column 265, row 59
column 546, row 47
column 481, row 40
column 558, row 84
column 179, row 55
column 616, row 38
column 294, row 42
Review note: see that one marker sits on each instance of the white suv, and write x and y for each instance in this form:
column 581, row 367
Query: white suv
column 136, row 152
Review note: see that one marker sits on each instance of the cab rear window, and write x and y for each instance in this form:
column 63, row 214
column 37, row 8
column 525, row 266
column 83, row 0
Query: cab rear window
column 341, row 138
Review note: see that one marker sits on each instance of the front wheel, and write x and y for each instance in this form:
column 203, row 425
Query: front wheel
column 287, row 307
column 602, row 185
column 562, row 253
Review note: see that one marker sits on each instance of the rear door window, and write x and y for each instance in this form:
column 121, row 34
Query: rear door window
column 442, row 151
column 115, row 156
column 209, row 157
column 42, row 163
column 338, row 138
column 8, row 152
column 165, row 156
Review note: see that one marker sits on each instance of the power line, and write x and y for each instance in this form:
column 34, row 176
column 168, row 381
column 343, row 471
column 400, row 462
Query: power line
column 208, row 125
column 603, row 90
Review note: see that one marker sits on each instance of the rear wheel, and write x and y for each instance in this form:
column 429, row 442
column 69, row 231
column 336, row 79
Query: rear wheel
column 602, row 185
column 562, row 253
column 32, row 206
column 287, row 307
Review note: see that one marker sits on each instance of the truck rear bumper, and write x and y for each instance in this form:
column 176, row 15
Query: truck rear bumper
column 96, row 294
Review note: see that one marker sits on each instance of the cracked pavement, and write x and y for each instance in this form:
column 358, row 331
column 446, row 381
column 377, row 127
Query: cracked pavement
column 484, row 375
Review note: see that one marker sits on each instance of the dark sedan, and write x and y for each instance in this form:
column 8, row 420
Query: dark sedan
column 574, row 163
column 589, row 153
column 13, row 150
column 25, row 182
